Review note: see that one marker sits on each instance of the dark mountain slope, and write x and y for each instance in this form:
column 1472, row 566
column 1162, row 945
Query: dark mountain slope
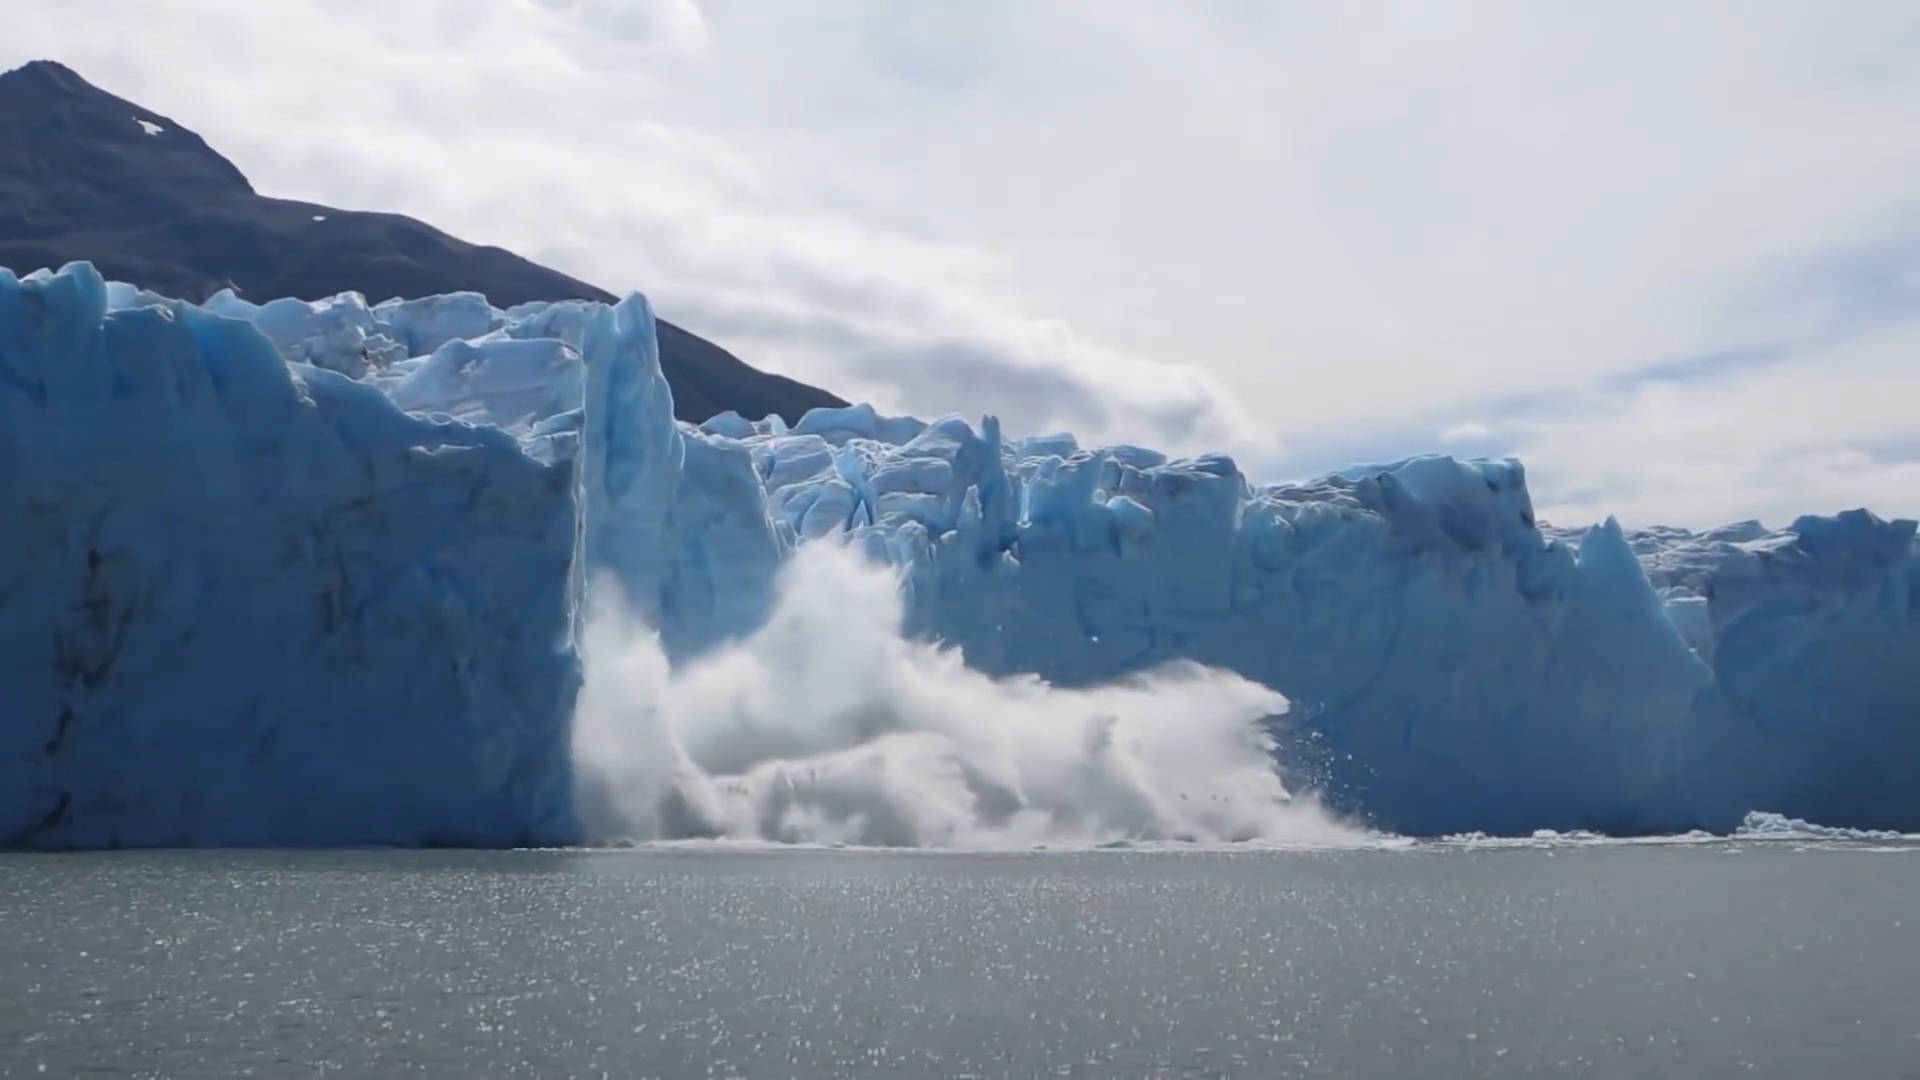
column 82, row 178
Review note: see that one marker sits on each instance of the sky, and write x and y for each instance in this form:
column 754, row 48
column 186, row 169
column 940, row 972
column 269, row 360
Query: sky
column 1666, row 254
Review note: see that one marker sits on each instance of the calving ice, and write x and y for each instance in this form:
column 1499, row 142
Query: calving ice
column 326, row 573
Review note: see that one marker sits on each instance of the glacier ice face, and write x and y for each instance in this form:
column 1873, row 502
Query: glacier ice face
column 1447, row 665
column 1813, row 633
column 1453, row 665
column 248, row 602
column 671, row 517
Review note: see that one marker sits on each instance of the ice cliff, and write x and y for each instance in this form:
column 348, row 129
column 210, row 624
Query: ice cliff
column 312, row 572
column 244, row 601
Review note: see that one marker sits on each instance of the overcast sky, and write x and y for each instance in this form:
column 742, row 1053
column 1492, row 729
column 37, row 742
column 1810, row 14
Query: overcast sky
column 1667, row 254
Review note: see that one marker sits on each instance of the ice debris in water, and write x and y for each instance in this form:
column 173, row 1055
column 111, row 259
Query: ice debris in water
column 1761, row 825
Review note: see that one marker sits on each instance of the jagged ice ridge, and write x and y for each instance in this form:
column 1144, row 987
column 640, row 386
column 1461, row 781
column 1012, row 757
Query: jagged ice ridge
column 264, row 569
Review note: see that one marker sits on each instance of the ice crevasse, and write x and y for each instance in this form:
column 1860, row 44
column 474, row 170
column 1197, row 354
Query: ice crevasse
column 311, row 573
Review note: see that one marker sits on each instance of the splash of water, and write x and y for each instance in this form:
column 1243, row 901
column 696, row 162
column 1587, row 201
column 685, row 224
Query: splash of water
column 828, row 726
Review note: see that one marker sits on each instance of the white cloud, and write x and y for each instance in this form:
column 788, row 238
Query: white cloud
column 1833, row 431
column 1215, row 224
column 1466, row 431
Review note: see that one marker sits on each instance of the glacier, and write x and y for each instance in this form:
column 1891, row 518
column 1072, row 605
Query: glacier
column 244, row 601
column 263, row 568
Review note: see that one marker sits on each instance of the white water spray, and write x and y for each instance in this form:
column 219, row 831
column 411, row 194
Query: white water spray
column 827, row 726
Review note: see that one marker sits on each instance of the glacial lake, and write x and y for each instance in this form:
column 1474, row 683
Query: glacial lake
column 1724, row 958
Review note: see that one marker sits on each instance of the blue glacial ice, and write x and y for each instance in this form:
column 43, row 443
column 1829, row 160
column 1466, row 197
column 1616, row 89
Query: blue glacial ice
column 244, row 601
column 473, row 483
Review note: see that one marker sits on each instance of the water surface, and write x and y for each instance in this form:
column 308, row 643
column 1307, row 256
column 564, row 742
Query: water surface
column 1726, row 959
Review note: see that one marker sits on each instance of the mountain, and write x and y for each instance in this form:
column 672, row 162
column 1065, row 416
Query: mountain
column 85, row 175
